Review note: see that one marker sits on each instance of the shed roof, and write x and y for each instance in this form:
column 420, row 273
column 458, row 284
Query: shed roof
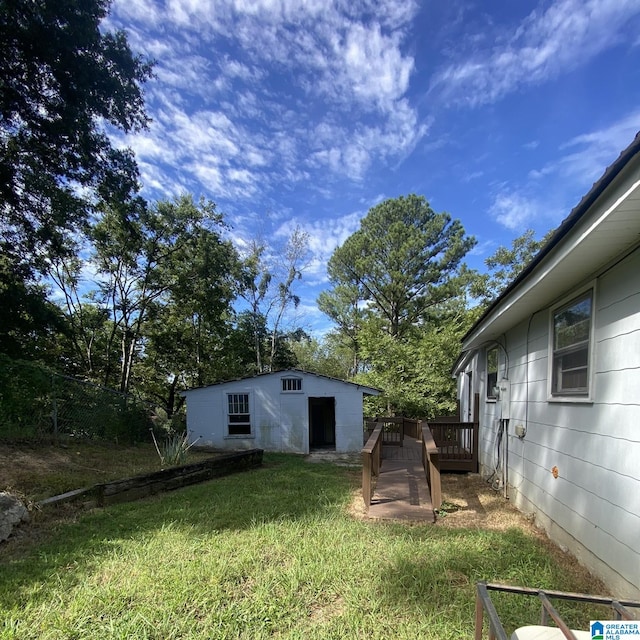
column 370, row 391
column 604, row 225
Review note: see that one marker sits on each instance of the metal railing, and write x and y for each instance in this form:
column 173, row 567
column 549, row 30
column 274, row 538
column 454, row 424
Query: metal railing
column 485, row 607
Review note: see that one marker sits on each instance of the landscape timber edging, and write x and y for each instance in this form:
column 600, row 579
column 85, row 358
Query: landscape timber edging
column 128, row 489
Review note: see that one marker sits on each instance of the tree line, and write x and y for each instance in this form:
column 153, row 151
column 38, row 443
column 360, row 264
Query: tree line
column 152, row 297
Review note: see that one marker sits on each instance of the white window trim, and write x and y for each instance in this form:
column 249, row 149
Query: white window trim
column 574, row 398
column 282, row 384
column 239, row 436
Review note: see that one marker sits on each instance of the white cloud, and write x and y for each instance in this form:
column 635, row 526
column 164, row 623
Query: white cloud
column 513, row 210
column 555, row 188
column 184, row 72
column 584, row 158
column 268, row 90
column 483, row 248
column 548, row 42
column 324, row 236
column 372, row 66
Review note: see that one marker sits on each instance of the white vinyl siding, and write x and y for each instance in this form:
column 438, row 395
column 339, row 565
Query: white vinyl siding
column 593, row 506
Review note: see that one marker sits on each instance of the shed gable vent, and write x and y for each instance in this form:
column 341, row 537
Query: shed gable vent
column 291, row 384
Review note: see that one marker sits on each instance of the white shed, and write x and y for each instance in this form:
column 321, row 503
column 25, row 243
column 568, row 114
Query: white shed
column 555, row 365
column 293, row 411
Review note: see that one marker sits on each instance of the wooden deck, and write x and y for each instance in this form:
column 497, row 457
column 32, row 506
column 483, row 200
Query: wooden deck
column 401, row 491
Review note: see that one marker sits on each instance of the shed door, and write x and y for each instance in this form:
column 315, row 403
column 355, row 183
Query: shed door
column 322, row 423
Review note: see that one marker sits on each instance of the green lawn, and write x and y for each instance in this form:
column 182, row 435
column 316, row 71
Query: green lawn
column 268, row 553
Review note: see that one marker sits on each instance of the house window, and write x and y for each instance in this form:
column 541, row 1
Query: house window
column 492, row 372
column 238, row 415
column 571, row 340
column 291, row 384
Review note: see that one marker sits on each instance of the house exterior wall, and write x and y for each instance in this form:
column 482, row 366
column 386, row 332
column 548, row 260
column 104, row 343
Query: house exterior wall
column 593, row 506
column 279, row 420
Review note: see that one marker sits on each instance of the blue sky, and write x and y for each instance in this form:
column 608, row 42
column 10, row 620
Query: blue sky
column 308, row 112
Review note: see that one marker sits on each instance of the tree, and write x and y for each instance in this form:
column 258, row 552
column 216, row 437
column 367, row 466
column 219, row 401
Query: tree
column 343, row 305
column 327, row 356
column 415, row 373
column 505, row 265
column 403, row 260
column 187, row 333
column 29, row 323
column 396, row 282
column 165, row 280
column 267, row 285
column 63, row 80
column 62, row 76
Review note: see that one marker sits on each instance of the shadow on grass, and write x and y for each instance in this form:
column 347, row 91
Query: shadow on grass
column 285, row 488
column 440, row 574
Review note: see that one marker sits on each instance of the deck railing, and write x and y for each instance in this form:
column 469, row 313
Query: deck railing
column 484, row 606
column 431, row 464
column 458, row 444
column 394, row 428
column 371, row 460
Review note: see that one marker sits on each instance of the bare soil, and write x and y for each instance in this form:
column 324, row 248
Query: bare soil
column 34, row 471
column 37, row 471
column 469, row 502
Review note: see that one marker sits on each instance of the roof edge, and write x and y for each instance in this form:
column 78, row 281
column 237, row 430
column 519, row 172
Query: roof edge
column 576, row 214
column 281, row 371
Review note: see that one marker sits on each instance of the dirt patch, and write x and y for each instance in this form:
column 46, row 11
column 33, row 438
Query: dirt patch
column 340, row 459
column 469, row 502
column 39, row 471
column 36, row 471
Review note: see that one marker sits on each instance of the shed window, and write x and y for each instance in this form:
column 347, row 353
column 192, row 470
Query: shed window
column 492, row 372
column 571, row 341
column 292, row 384
column 238, row 414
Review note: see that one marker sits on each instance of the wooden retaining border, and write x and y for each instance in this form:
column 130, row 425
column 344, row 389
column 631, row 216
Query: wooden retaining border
column 138, row 487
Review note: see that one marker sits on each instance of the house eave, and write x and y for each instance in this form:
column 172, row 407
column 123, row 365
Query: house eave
column 604, row 225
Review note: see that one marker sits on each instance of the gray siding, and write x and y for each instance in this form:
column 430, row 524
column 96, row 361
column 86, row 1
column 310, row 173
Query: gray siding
column 593, row 506
column 279, row 420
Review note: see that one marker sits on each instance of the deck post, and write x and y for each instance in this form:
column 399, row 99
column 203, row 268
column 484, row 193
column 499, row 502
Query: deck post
column 371, row 454
column 431, row 464
column 366, row 477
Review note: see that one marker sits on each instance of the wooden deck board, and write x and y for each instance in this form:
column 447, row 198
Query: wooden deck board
column 401, row 491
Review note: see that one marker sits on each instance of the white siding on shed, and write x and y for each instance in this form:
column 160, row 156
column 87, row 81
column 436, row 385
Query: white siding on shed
column 279, row 415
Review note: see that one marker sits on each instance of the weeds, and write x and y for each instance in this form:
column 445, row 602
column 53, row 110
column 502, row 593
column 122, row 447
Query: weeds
column 173, row 449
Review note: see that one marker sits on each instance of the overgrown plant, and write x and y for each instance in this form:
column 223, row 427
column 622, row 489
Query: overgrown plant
column 173, row 449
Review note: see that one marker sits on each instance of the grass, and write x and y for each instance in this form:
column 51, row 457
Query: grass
column 271, row 553
column 40, row 471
